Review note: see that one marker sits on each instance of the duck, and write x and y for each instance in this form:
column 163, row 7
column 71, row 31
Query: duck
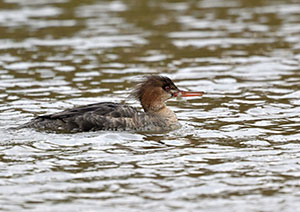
column 152, row 93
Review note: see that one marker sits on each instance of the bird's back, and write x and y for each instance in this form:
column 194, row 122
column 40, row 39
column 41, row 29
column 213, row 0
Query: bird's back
column 98, row 116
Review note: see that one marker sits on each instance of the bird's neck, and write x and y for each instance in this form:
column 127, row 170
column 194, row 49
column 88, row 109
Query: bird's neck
column 157, row 107
column 167, row 113
column 163, row 112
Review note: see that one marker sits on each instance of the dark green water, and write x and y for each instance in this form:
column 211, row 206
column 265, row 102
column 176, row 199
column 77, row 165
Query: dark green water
column 238, row 148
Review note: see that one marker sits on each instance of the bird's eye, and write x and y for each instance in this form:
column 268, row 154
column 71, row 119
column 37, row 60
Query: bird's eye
column 167, row 88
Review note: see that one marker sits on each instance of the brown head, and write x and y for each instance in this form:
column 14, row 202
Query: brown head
column 155, row 90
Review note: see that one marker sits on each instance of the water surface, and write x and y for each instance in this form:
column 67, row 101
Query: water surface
column 238, row 148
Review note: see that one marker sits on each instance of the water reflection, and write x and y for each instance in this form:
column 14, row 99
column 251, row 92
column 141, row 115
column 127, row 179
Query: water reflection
column 238, row 146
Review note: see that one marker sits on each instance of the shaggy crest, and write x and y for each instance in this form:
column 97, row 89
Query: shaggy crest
column 151, row 81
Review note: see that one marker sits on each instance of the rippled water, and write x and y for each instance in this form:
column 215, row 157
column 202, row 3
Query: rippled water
column 238, row 148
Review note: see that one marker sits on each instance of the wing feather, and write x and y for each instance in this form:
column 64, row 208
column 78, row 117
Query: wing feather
column 98, row 116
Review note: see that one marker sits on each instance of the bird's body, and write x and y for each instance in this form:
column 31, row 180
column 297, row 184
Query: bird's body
column 102, row 116
column 152, row 93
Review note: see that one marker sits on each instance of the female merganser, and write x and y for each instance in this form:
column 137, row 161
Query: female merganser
column 152, row 93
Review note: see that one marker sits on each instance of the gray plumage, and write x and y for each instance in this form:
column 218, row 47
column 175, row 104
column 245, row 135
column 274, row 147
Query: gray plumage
column 99, row 116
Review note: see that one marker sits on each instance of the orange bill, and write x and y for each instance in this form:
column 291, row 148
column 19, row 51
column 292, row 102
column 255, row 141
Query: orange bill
column 188, row 93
